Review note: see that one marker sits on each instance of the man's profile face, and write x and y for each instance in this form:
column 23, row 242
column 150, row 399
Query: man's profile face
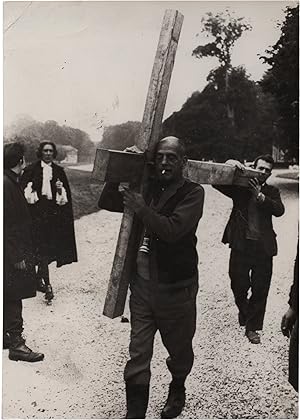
column 47, row 153
column 264, row 167
column 169, row 161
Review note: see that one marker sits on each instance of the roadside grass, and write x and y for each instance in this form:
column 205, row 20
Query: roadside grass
column 85, row 192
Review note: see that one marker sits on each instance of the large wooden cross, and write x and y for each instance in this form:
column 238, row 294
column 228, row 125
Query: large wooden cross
column 116, row 166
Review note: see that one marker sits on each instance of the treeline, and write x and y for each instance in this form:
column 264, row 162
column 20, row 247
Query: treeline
column 30, row 132
column 233, row 116
column 209, row 134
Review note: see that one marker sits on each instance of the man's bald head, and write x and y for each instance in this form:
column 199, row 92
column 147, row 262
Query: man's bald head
column 170, row 159
column 174, row 142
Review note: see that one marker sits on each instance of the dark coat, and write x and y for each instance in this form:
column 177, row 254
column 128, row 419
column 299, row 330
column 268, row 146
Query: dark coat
column 170, row 222
column 53, row 225
column 18, row 284
column 235, row 231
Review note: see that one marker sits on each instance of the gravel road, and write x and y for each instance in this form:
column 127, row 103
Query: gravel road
column 85, row 352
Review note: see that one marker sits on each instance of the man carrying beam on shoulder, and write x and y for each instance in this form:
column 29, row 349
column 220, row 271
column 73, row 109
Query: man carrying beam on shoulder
column 250, row 235
column 164, row 284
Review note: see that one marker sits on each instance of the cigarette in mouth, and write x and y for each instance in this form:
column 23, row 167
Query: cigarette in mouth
column 163, row 171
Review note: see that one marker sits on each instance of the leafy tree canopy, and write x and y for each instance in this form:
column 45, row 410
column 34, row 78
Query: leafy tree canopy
column 282, row 79
column 225, row 29
column 202, row 120
column 120, row 136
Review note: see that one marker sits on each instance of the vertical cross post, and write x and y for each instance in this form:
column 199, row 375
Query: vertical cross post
column 130, row 230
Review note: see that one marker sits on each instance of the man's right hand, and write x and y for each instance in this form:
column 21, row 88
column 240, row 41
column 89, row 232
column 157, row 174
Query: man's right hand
column 20, row 265
column 235, row 163
column 288, row 321
column 133, row 149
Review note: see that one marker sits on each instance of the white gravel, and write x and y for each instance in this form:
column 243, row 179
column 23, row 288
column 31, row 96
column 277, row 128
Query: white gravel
column 85, row 352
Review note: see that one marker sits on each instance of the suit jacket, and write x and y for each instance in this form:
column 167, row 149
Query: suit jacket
column 18, row 284
column 235, row 231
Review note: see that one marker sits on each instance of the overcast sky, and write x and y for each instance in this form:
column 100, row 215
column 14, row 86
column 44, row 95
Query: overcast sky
column 87, row 64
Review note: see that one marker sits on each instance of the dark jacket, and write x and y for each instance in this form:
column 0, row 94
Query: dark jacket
column 171, row 222
column 294, row 292
column 235, row 231
column 53, row 225
column 18, row 284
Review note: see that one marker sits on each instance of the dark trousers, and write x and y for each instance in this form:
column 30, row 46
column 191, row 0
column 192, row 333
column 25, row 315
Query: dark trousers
column 294, row 356
column 173, row 314
column 12, row 317
column 251, row 270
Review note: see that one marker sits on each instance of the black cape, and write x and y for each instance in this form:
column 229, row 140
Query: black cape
column 53, row 225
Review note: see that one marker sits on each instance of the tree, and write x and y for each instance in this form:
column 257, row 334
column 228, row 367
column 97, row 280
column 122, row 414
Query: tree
column 120, row 136
column 225, row 29
column 33, row 132
column 203, row 123
column 282, row 79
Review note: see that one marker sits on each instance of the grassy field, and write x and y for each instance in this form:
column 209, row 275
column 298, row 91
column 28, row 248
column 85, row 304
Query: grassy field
column 85, row 193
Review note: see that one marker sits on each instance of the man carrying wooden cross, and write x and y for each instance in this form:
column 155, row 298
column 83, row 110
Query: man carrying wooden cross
column 250, row 235
column 164, row 283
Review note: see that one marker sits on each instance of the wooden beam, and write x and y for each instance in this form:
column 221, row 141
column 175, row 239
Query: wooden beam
column 118, row 166
column 159, row 82
column 131, row 227
column 219, row 173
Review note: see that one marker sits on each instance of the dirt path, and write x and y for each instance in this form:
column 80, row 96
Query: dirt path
column 85, row 352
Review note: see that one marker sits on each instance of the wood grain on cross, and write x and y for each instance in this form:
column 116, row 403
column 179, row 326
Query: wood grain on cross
column 116, row 166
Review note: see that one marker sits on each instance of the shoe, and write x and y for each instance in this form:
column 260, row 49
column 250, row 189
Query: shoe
column 242, row 319
column 40, row 285
column 6, row 341
column 24, row 353
column 253, row 337
column 137, row 397
column 49, row 293
column 175, row 402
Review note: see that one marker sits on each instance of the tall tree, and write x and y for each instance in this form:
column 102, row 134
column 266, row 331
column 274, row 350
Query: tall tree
column 282, row 79
column 203, row 123
column 225, row 29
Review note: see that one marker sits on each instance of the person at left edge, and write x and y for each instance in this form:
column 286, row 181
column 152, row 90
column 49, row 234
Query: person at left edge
column 19, row 272
column 48, row 194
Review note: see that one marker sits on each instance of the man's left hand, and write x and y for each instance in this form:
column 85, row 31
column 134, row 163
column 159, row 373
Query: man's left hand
column 255, row 187
column 132, row 199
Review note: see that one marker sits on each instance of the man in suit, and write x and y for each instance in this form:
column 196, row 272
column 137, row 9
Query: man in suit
column 19, row 272
column 250, row 235
column 164, row 283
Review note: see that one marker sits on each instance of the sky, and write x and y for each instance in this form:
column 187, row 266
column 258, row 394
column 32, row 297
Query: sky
column 87, row 64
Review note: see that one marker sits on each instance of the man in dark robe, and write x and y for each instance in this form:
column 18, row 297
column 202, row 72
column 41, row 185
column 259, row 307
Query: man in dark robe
column 48, row 193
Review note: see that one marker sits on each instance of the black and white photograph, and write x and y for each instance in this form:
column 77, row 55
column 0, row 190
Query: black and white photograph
column 150, row 209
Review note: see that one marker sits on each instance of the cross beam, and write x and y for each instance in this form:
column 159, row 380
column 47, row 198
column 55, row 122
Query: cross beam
column 116, row 166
